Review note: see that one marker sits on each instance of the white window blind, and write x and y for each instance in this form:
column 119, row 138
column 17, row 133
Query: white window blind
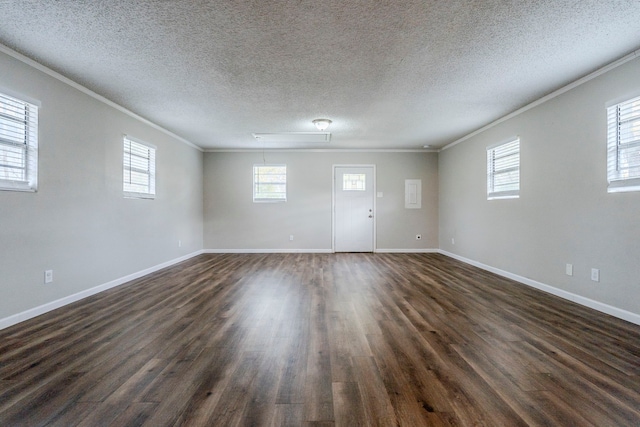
column 503, row 170
column 270, row 183
column 623, row 146
column 18, row 144
column 139, row 168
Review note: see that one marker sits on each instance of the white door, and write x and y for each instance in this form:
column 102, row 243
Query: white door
column 353, row 209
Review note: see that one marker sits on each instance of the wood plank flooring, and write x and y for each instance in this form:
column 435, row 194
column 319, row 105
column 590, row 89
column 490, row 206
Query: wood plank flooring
column 321, row 340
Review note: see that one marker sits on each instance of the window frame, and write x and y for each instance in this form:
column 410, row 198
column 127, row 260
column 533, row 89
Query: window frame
column 492, row 193
column 127, row 190
column 359, row 175
column 28, row 145
column 617, row 182
column 255, row 184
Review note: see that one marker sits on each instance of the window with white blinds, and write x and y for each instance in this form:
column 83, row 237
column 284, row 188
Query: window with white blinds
column 503, row 170
column 270, row 183
column 139, row 169
column 18, row 144
column 623, row 146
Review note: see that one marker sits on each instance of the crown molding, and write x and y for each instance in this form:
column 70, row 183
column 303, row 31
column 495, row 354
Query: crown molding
column 30, row 62
column 570, row 86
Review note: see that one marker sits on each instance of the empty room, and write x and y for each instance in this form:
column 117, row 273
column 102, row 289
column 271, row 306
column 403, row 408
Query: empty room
column 334, row 213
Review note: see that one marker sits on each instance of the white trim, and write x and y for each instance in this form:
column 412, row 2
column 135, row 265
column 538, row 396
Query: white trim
column 30, row 62
column 25, row 124
column 137, row 196
column 504, row 195
column 45, row 308
column 502, row 150
column 20, row 96
column 634, row 93
column 320, row 150
column 128, row 167
column 610, row 189
column 554, row 94
column 587, row 302
column 312, row 251
column 50, row 306
column 504, row 142
column 22, row 186
column 333, row 202
column 622, row 173
column 253, row 181
column 408, row 251
column 333, row 210
column 267, row 251
column 139, row 141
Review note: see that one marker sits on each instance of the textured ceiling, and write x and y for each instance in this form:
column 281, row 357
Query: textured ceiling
column 390, row 74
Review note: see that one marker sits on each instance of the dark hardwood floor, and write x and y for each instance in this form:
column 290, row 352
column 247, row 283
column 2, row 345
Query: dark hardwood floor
column 321, row 339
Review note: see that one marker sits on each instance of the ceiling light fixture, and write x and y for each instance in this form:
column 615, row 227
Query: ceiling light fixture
column 322, row 124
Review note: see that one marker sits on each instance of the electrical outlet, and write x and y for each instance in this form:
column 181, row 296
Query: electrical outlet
column 418, row 236
column 453, row 241
column 595, row 274
column 179, row 243
column 48, row 276
column 569, row 269
column 291, row 237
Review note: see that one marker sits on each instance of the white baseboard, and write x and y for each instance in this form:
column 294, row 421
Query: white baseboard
column 267, row 251
column 587, row 302
column 599, row 306
column 310, row 251
column 44, row 308
column 407, row 251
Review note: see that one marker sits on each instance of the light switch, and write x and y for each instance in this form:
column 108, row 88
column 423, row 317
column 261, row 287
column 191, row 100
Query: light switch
column 569, row 270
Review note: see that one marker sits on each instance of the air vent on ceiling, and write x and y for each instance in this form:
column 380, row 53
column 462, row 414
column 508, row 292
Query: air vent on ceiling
column 292, row 137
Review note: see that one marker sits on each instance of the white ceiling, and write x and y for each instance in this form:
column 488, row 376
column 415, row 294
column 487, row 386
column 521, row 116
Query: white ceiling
column 390, row 74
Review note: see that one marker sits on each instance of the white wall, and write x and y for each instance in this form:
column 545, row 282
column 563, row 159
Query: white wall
column 233, row 221
column 564, row 213
column 78, row 223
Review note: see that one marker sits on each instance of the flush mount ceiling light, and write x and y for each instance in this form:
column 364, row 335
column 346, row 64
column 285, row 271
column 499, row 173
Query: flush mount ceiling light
column 322, row 124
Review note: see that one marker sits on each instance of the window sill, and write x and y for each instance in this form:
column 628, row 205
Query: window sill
column 24, row 188
column 139, row 196
column 623, row 189
column 499, row 197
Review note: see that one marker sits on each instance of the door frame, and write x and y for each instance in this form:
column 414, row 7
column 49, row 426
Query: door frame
column 333, row 201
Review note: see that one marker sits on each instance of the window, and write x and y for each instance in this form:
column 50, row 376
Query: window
column 353, row 182
column 270, row 183
column 18, row 144
column 139, row 171
column 623, row 146
column 503, row 170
